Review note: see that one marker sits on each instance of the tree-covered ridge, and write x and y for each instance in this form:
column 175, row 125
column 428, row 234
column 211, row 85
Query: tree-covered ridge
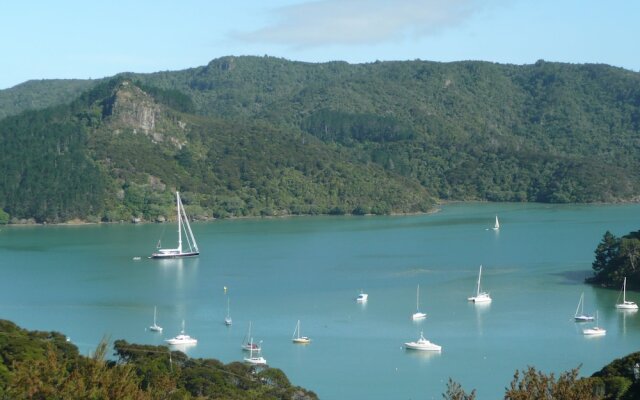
column 119, row 152
column 36, row 95
column 44, row 365
column 246, row 136
column 615, row 259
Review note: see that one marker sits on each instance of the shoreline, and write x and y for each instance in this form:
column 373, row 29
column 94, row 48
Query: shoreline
column 436, row 209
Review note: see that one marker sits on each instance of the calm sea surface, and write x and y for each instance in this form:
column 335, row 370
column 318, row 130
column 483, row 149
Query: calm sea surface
column 84, row 282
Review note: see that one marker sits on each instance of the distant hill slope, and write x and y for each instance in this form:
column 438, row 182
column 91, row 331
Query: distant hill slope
column 36, row 95
column 267, row 136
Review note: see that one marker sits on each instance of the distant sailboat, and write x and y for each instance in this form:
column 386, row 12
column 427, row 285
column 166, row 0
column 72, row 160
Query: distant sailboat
column 580, row 316
column 497, row 224
column 596, row 330
column 247, row 342
column 155, row 327
column 183, row 225
column 296, row 338
column 418, row 315
column 626, row 305
column 480, row 297
column 227, row 320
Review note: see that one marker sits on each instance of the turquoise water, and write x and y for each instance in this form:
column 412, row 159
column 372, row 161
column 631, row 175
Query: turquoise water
column 83, row 281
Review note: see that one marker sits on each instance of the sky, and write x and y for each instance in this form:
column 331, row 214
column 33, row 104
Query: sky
column 88, row 39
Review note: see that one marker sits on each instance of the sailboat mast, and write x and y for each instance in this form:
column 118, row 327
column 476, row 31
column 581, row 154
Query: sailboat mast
column 479, row 275
column 624, row 290
column 178, row 202
column 190, row 238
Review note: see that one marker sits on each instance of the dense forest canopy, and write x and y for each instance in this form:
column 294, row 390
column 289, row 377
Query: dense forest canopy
column 267, row 136
column 617, row 258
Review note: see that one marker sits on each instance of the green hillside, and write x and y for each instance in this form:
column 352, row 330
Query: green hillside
column 267, row 136
column 36, row 95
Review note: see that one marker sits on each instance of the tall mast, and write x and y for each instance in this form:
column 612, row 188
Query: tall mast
column 479, row 274
column 191, row 239
column 179, row 222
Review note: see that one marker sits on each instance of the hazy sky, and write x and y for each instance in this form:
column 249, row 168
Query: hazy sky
column 89, row 39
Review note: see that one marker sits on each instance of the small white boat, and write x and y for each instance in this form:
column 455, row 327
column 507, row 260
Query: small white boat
column 155, row 327
column 418, row 315
column 227, row 320
column 182, row 338
column 580, row 316
column 255, row 360
column 496, row 226
column 595, row 330
column 362, row 297
column 422, row 344
column 247, row 342
column 480, row 297
column 296, row 338
column 626, row 305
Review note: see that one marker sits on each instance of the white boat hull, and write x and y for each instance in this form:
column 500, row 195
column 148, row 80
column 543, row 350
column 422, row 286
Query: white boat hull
column 627, row 305
column 301, row 340
column 418, row 316
column 583, row 318
column 481, row 298
column 174, row 254
column 182, row 339
column 255, row 360
column 155, row 328
column 594, row 332
column 248, row 347
column 422, row 346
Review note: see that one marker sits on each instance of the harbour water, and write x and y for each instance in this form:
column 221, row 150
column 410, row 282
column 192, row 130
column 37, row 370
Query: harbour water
column 84, row 282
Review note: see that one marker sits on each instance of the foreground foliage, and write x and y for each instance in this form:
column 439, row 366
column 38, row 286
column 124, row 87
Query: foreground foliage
column 43, row 365
column 614, row 381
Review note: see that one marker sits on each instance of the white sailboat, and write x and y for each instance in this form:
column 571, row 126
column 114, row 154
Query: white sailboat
column 247, row 342
column 422, row 344
column 227, row 320
column 183, row 225
column 580, row 316
column 480, row 297
column 296, row 338
column 182, row 338
column 626, row 305
column 497, row 224
column 418, row 315
column 155, row 327
column 255, row 360
column 362, row 297
column 596, row 330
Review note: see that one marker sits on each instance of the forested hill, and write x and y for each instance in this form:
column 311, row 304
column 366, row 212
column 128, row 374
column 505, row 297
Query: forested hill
column 267, row 136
